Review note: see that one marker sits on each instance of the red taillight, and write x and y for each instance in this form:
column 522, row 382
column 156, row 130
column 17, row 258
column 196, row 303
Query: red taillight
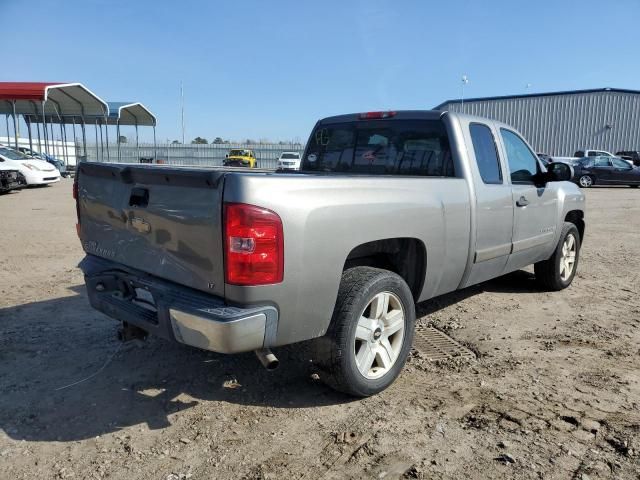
column 254, row 245
column 376, row 115
column 75, row 188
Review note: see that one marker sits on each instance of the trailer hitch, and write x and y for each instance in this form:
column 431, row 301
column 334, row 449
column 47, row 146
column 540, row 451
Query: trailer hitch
column 130, row 333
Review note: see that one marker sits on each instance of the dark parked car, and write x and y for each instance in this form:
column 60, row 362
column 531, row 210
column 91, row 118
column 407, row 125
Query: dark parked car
column 544, row 158
column 605, row 171
column 631, row 156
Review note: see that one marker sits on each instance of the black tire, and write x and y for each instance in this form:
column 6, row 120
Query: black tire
column 335, row 352
column 587, row 179
column 548, row 271
column 634, row 186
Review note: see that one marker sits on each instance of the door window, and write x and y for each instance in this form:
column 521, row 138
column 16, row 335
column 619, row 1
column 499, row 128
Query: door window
column 621, row 164
column 523, row 164
column 602, row 162
column 484, row 147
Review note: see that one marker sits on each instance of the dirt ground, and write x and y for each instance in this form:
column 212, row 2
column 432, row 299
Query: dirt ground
column 555, row 392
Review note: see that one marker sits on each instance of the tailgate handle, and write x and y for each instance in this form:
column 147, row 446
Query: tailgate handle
column 139, row 197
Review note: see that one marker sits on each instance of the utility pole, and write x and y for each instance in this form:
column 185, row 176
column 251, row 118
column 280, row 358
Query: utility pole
column 182, row 108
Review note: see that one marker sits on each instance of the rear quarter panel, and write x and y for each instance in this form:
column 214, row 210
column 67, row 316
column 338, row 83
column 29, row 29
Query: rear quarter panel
column 325, row 217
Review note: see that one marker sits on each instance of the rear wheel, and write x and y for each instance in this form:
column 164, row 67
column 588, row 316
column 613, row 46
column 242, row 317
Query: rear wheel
column 557, row 272
column 371, row 332
column 586, row 181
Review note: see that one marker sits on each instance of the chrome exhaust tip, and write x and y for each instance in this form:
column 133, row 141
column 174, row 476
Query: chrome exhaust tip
column 267, row 358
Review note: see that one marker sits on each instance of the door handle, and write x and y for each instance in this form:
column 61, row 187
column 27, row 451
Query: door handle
column 522, row 202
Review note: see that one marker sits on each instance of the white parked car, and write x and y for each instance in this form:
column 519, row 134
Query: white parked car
column 580, row 154
column 289, row 161
column 36, row 172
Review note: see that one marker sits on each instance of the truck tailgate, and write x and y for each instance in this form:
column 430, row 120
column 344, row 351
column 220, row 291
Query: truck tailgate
column 163, row 221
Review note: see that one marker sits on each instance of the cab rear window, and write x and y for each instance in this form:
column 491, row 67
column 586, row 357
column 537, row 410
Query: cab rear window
column 381, row 147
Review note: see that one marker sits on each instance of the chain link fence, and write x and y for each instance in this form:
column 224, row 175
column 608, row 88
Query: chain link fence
column 210, row 155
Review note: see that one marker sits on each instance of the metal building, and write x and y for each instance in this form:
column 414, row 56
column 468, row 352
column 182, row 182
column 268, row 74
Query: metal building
column 559, row 123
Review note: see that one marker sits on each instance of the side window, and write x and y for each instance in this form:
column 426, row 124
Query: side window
column 579, row 154
column 621, row 164
column 593, row 153
column 602, row 162
column 484, row 147
column 523, row 164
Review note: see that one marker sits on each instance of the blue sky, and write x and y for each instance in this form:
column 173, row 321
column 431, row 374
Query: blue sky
column 257, row 69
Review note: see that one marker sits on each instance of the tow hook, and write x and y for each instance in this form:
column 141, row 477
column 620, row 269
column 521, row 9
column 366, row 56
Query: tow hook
column 267, row 358
column 129, row 333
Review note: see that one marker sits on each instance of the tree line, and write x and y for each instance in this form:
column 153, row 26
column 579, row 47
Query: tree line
column 249, row 141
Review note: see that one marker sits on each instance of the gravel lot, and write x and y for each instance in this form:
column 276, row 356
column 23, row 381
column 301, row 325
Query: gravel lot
column 554, row 394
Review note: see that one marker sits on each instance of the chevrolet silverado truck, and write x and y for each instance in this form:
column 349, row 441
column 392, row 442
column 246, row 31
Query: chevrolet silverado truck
column 388, row 209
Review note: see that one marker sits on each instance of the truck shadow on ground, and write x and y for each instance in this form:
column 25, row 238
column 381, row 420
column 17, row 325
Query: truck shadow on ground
column 51, row 344
column 519, row 281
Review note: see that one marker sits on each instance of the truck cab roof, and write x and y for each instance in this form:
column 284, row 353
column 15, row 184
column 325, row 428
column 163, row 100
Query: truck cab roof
column 384, row 115
column 409, row 115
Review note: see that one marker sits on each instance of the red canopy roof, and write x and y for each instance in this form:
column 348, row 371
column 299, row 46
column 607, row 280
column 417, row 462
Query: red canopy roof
column 61, row 100
column 24, row 90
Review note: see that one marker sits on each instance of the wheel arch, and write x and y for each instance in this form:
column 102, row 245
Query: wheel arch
column 577, row 218
column 404, row 256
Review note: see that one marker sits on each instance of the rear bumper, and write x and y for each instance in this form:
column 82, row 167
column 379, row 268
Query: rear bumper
column 180, row 314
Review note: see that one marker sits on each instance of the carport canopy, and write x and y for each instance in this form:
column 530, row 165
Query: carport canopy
column 60, row 100
column 130, row 113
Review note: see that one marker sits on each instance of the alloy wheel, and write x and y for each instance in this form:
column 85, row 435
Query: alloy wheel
column 586, row 181
column 568, row 257
column 379, row 335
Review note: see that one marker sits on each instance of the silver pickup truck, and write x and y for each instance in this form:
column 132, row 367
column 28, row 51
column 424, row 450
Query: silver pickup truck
column 388, row 209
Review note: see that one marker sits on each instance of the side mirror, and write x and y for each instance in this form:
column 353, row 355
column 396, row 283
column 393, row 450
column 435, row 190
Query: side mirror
column 226, row 155
column 559, row 172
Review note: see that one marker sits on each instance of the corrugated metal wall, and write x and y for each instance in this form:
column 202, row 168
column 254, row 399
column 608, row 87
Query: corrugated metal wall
column 561, row 124
column 188, row 154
